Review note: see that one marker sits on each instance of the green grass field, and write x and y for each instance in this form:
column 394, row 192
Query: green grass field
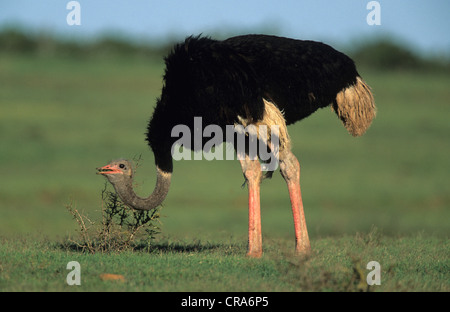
column 383, row 197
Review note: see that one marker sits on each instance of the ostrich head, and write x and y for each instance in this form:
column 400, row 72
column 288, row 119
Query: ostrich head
column 117, row 172
column 120, row 174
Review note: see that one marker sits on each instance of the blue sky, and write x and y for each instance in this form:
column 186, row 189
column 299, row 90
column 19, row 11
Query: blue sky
column 423, row 24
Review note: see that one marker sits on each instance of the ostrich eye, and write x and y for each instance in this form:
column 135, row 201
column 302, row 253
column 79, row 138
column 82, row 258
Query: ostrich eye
column 121, row 166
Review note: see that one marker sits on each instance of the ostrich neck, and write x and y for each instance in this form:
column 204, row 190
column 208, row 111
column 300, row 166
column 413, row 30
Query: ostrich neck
column 129, row 197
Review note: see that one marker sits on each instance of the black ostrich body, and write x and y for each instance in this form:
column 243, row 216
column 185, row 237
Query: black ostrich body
column 221, row 80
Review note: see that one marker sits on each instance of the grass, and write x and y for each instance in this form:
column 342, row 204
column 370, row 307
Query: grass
column 383, row 197
column 337, row 264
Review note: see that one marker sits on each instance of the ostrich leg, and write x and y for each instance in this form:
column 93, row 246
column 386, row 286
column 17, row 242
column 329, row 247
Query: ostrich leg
column 253, row 176
column 290, row 170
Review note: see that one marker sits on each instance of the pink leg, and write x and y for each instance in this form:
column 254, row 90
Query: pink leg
column 290, row 170
column 253, row 175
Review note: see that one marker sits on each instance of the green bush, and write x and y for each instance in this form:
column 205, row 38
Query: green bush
column 386, row 54
column 122, row 228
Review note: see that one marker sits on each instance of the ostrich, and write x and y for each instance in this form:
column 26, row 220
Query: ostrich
column 249, row 80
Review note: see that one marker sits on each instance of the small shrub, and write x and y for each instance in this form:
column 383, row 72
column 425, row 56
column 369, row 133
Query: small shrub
column 121, row 227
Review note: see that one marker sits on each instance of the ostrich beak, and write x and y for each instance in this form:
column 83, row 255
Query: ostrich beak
column 108, row 169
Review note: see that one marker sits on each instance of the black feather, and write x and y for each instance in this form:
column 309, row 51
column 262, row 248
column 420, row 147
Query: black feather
column 221, row 80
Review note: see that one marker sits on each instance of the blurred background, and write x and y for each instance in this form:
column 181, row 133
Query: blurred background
column 73, row 97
